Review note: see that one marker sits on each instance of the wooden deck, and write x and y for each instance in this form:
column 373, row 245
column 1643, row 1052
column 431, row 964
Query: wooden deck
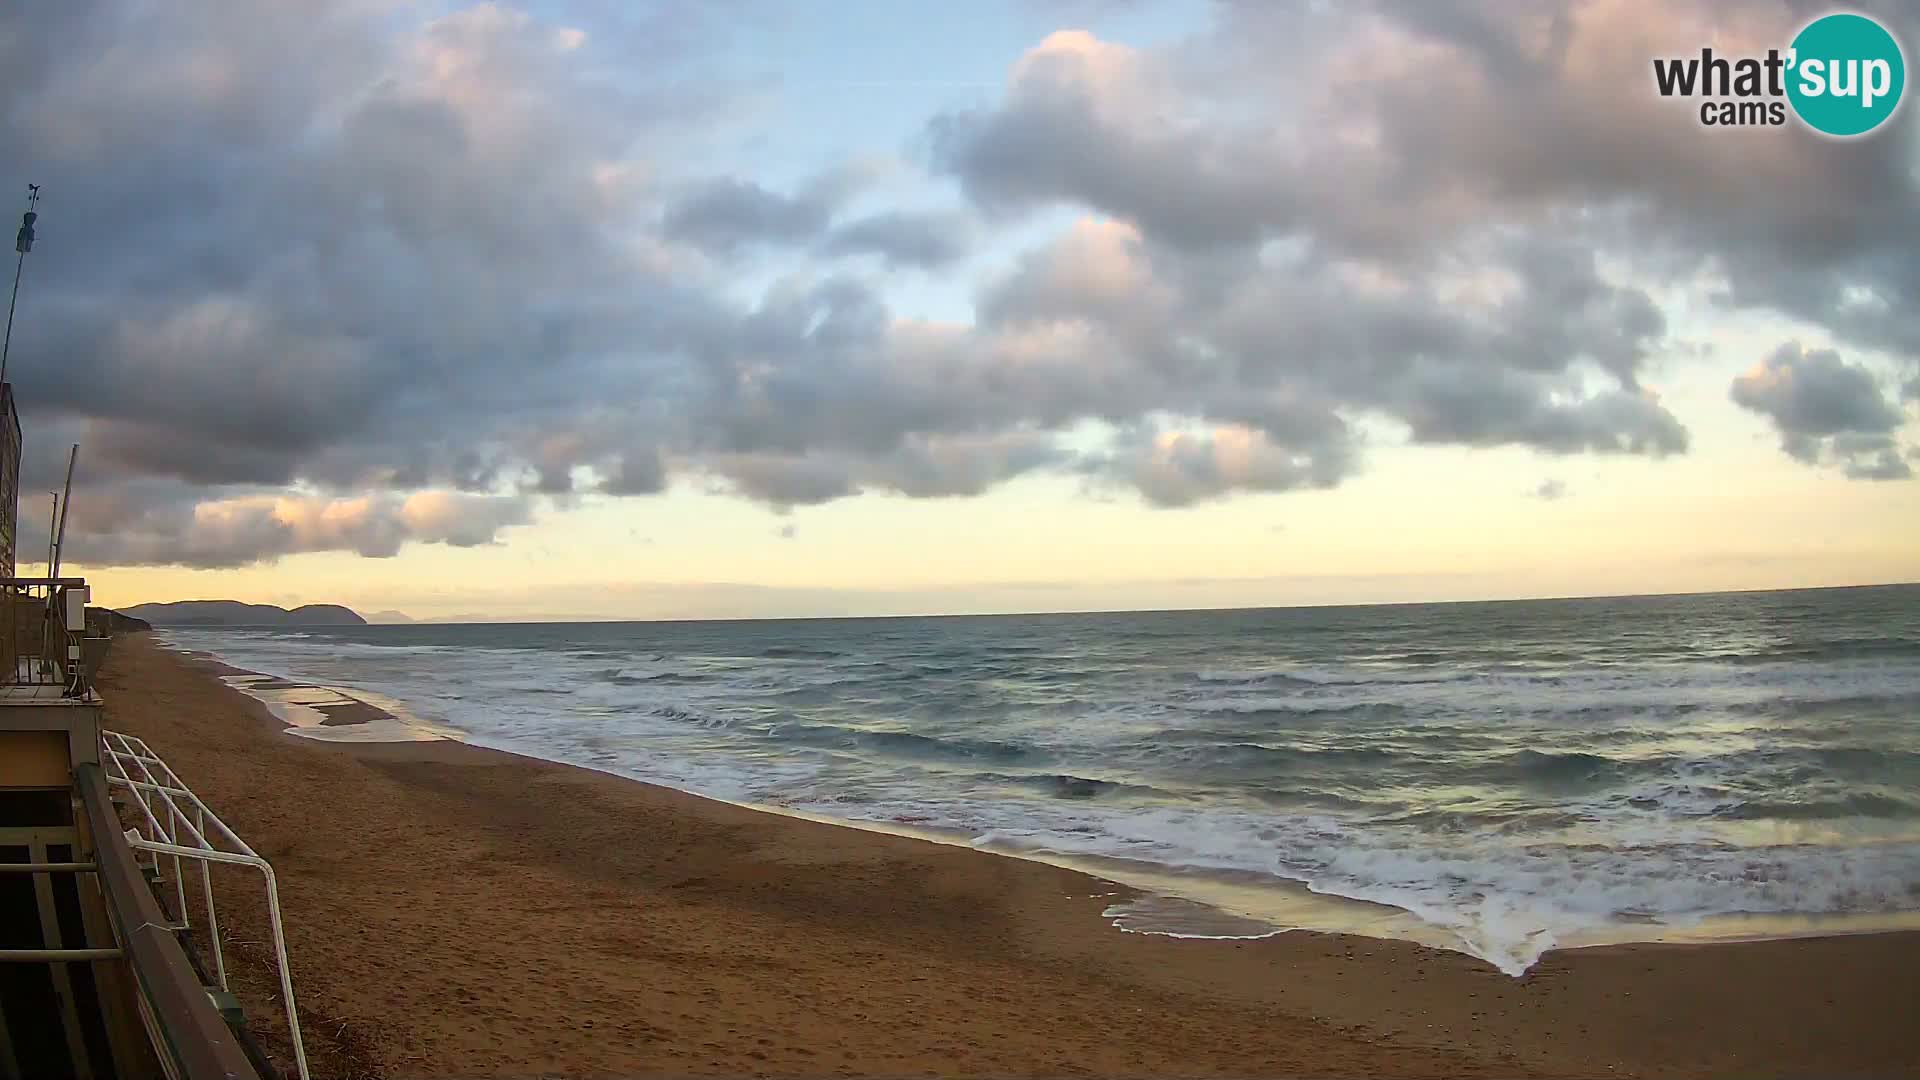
column 41, row 695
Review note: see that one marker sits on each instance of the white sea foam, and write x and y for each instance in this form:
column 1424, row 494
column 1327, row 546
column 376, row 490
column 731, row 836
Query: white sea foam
column 1504, row 903
column 302, row 708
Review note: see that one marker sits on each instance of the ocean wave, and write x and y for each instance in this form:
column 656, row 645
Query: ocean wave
column 1300, row 708
column 905, row 744
column 1309, row 757
column 682, row 715
column 1861, row 804
column 1324, row 677
column 1576, row 765
column 1842, row 648
column 622, row 678
column 1867, row 761
column 795, row 652
column 1068, row 786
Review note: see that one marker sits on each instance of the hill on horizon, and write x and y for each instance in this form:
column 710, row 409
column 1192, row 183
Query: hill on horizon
column 235, row 613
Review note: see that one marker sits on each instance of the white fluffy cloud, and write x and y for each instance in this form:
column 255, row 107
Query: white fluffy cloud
column 234, row 531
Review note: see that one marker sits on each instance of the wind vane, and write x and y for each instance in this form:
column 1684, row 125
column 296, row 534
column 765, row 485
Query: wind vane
column 23, row 242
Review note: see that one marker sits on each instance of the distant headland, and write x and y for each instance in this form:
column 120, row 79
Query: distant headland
column 234, row 613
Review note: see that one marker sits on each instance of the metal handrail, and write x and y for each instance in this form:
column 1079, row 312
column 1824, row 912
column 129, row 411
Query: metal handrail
column 62, row 956
column 119, row 750
column 185, row 1030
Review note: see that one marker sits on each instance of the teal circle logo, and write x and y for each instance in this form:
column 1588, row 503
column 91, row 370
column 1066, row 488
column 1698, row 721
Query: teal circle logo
column 1847, row 74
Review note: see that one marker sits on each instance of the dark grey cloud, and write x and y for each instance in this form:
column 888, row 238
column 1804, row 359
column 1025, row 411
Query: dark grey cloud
column 726, row 214
column 641, row 472
column 1871, row 457
column 731, row 217
column 924, row 240
column 1826, row 410
column 304, row 265
column 920, row 466
column 1813, row 392
column 786, row 481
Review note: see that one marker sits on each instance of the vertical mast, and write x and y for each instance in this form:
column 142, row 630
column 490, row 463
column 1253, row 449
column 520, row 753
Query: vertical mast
column 66, row 508
column 9, row 417
column 22, row 243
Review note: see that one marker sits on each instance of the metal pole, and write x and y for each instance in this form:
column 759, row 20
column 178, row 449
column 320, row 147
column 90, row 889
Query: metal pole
column 45, row 668
column 7, row 348
column 23, row 244
column 213, row 917
column 66, row 509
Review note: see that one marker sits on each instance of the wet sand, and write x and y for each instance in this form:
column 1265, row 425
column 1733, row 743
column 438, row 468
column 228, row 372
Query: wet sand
column 456, row 911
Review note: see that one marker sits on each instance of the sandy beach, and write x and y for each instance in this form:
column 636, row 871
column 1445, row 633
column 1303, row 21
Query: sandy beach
column 456, row 911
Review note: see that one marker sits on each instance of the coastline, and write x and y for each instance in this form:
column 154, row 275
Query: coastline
column 456, row 910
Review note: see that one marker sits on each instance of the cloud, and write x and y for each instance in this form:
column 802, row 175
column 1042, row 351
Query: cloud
column 1093, row 123
column 1827, row 411
column 729, row 217
column 458, row 519
column 640, row 472
column 728, row 213
column 1551, row 490
column 1272, row 293
column 281, row 245
column 1322, row 133
column 1179, row 468
column 237, row 531
column 919, row 466
column 1870, row 457
column 337, row 255
column 785, row 481
column 924, row 240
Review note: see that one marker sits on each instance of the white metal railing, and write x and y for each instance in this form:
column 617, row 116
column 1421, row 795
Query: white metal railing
column 131, row 765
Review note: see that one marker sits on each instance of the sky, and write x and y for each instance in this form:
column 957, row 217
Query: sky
column 599, row 309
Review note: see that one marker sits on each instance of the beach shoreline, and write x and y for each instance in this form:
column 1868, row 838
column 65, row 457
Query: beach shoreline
column 805, row 931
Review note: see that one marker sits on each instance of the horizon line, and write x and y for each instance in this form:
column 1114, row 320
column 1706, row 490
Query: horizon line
column 431, row 621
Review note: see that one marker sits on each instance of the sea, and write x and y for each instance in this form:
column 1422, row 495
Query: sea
column 1498, row 778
